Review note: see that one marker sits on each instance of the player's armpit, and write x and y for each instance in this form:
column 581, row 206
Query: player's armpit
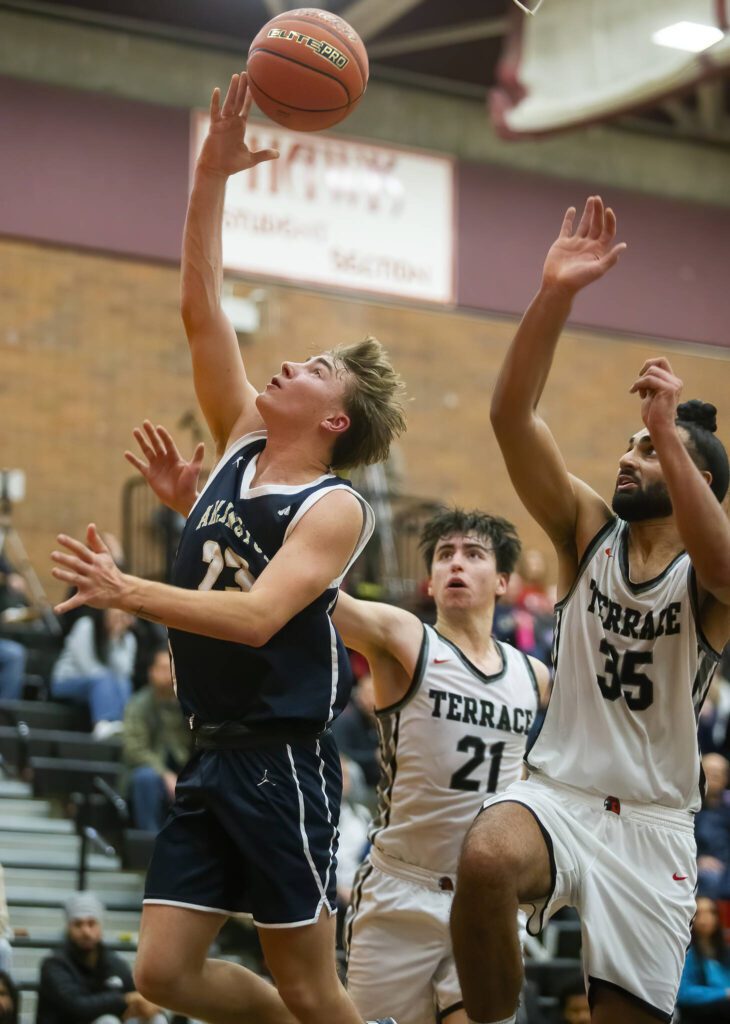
column 714, row 615
column 592, row 514
column 542, row 678
column 560, row 502
column 226, row 398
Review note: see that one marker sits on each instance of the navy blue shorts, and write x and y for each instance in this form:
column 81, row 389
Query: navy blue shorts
column 253, row 832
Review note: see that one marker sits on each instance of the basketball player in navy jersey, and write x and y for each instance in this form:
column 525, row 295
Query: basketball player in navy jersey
column 454, row 707
column 604, row 821
column 259, row 668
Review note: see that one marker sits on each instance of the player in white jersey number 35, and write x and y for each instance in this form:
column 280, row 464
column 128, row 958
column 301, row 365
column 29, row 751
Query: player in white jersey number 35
column 604, row 821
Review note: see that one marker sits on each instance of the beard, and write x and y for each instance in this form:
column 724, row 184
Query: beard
column 652, row 502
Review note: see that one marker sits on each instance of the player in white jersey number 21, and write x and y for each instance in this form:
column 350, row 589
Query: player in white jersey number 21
column 454, row 707
column 604, row 821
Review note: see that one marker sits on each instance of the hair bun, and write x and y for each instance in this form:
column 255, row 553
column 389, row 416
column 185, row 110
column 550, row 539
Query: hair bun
column 704, row 414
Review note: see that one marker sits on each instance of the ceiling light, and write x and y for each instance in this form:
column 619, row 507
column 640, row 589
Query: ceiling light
column 688, row 35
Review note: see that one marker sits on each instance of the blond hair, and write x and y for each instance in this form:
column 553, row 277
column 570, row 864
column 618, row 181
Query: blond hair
column 374, row 397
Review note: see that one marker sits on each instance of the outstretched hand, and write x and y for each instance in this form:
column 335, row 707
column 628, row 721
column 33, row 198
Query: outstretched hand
column 224, row 150
column 171, row 477
column 577, row 258
column 91, row 569
column 659, row 389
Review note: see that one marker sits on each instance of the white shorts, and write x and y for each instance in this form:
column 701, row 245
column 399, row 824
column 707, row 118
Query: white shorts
column 631, row 876
column 399, row 947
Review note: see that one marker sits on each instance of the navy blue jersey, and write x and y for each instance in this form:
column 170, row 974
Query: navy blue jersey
column 302, row 675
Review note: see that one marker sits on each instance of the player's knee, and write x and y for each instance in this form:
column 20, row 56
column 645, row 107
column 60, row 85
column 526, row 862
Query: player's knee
column 156, row 979
column 486, row 866
column 301, row 998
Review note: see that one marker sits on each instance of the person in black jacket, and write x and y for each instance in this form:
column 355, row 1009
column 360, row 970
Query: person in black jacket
column 82, row 981
column 8, row 999
column 356, row 730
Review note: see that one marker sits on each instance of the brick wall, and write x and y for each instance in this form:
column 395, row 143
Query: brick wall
column 89, row 345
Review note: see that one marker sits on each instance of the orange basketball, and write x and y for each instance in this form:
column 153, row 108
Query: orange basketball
column 307, row 69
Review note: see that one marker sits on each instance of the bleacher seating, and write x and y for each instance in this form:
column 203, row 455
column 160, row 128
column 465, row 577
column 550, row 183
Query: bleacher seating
column 551, row 975
column 59, row 766
column 40, row 855
column 19, row 743
column 48, row 749
column 60, row 776
column 41, row 714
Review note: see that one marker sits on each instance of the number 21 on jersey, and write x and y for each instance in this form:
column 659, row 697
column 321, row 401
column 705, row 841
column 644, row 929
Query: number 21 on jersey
column 462, row 778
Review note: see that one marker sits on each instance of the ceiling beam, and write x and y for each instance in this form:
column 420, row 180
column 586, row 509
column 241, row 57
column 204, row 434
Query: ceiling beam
column 434, row 38
column 711, row 106
column 68, row 54
column 369, row 17
column 683, row 118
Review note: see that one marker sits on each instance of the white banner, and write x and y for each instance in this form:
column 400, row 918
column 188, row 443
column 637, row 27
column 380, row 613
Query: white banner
column 339, row 213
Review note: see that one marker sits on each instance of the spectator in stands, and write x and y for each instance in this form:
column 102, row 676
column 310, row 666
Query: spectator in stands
column 533, row 599
column 534, row 594
column 12, row 669
column 13, row 606
column 712, row 829
column 704, row 991
column 95, row 667
column 523, row 616
column 573, row 1002
column 157, row 743
column 356, row 731
column 353, row 829
column 6, row 932
column 83, row 981
column 714, row 723
column 353, row 832
column 14, row 594
column 149, row 634
column 8, row 999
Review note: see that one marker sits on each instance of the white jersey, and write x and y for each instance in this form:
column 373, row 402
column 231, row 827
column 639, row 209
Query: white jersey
column 632, row 669
column 456, row 736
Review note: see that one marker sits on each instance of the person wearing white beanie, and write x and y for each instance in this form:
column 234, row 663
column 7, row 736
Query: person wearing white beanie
column 84, row 982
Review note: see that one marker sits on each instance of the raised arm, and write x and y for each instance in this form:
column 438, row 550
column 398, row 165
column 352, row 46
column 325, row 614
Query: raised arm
column 701, row 520
column 314, row 555
column 389, row 637
column 566, row 508
column 226, row 397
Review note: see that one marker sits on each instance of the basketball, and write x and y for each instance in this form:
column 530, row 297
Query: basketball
column 307, row 69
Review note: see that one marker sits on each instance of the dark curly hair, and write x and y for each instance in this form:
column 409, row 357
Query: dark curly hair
column 449, row 521
column 699, row 421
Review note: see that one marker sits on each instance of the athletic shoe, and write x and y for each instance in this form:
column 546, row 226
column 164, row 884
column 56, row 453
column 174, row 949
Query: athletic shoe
column 104, row 730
